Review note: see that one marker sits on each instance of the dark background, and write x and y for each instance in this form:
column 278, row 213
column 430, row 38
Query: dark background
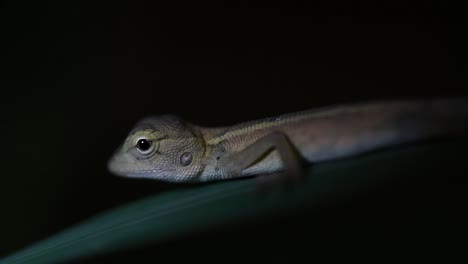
column 77, row 76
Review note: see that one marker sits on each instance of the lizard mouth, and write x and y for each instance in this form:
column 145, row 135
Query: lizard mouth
column 121, row 166
column 115, row 166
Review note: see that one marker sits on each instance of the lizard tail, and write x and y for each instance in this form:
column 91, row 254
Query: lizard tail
column 438, row 117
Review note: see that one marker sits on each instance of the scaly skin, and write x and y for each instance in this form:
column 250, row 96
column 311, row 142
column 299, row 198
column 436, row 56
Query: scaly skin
column 183, row 152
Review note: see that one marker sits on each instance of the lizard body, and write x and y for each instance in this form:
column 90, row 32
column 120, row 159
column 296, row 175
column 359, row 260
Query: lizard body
column 170, row 149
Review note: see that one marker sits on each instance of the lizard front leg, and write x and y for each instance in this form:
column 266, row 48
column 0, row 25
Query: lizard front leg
column 237, row 162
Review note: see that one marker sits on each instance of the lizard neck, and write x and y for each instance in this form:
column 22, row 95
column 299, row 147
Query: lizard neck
column 213, row 150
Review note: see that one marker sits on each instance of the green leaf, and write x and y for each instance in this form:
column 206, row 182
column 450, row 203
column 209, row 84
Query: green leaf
column 178, row 213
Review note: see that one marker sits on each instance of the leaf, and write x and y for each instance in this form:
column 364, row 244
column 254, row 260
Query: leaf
column 178, row 213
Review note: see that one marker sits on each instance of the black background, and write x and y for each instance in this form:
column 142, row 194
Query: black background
column 77, row 76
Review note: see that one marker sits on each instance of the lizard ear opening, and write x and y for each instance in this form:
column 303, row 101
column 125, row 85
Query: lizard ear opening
column 186, row 158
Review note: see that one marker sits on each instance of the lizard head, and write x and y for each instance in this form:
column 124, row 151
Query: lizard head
column 164, row 148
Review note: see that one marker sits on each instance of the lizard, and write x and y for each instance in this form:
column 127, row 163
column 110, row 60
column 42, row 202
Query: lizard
column 169, row 148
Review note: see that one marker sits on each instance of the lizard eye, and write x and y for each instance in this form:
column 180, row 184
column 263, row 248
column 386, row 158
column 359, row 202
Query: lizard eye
column 144, row 145
column 186, row 159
